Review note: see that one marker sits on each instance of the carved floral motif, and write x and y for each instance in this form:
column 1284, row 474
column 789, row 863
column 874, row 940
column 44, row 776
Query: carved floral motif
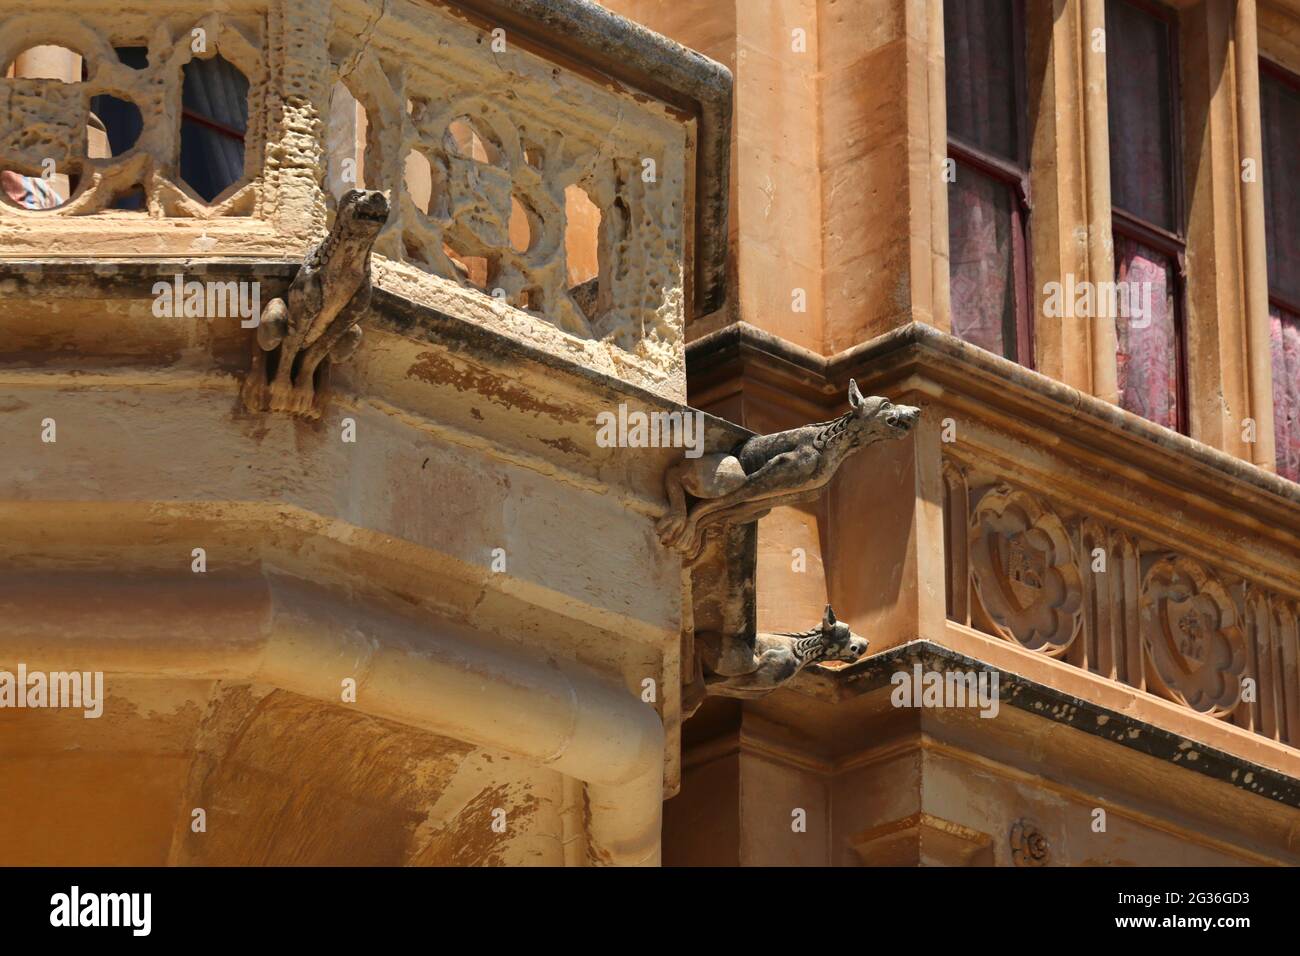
column 1024, row 570
column 1192, row 630
column 1029, row 847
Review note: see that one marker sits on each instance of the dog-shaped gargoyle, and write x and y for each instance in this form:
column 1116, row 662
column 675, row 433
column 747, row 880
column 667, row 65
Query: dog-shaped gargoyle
column 770, row 470
column 318, row 322
column 754, row 666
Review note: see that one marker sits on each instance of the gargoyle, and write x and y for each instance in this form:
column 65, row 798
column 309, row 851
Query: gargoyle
column 770, row 470
column 758, row 664
column 326, row 300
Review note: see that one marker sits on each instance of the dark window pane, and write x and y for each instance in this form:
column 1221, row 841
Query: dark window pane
column 1285, row 330
column 982, row 272
column 1280, row 106
column 215, row 103
column 136, row 57
column 122, row 121
column 978, row 50
column 1148, row 333
column 1141, row 124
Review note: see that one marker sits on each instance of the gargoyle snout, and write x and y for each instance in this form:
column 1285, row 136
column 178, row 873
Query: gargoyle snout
column 902, row 417
column 368, row 204
column 848, row 646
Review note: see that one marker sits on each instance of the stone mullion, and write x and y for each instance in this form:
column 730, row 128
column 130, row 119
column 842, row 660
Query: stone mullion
column 957, row 521
column 1259, row 370
column 1128, row 622
column 1081, row 652
column 1096, row 134
column 298, row 57
column 1284, row 616
column 1247, row 714
column 1264, row 644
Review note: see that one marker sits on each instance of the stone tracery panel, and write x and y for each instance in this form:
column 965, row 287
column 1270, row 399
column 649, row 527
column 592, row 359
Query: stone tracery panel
column 542, row 130
column 415, row 67
column 1065, row 583
column 1191, row 629
column 1024, row 570
column 47, row 119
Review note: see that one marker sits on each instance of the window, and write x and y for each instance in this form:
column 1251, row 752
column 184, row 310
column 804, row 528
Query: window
column 1146, row 215
column 214, row 119
column 988, row 202
column 1280, row 113
column 122, row 123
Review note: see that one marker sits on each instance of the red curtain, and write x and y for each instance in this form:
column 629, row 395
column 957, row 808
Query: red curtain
column 1285, row 333
column 981, row 91
column 1280, row 108
column 980, row 252
column 1148, row 341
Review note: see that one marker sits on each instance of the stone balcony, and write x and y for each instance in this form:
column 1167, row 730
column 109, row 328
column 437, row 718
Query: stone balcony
column 552, row 168
column 1127, row 581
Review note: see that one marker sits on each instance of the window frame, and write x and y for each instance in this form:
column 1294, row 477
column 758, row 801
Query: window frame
column 1016, row 177
column 1172, row 244
column 1284, row 76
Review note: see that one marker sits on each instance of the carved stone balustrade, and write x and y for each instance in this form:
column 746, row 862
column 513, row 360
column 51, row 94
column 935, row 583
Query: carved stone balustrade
column 551, row 168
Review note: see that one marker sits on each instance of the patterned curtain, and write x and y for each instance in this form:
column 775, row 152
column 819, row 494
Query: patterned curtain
column 1142, row 172
column 1148, row 341
column 981, row 268
column 1281, row 115
column 1285, row 333
column 982, row 114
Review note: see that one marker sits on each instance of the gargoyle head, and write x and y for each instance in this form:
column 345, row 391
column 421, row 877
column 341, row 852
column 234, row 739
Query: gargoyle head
column 877, row 418
column 841, row 643
column 362, row 212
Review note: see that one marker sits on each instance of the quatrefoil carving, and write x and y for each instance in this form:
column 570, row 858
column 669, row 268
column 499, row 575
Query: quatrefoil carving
column 1025, row 572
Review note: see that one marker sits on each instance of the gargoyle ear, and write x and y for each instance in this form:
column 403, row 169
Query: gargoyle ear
column 828, row 620
column 855, row 397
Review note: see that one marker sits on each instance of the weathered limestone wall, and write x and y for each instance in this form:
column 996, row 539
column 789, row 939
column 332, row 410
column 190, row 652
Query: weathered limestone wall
column 823, row 774
column 283, row 780
column 455, row 483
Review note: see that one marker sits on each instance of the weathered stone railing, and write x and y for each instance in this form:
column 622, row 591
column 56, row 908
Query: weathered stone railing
column 1073, row 578
column 551, row 166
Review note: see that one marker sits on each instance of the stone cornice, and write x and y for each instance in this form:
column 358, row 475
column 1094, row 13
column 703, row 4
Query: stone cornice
column 390, row 311
column 1048, row 703
column 920, row 357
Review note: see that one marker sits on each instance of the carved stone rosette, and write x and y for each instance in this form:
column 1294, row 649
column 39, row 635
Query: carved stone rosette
column 1029, row 847
column 1024, row 570
column 1193, row 634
